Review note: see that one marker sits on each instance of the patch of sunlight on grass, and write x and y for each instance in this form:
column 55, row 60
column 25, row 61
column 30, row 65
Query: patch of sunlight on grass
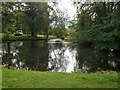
column 40, row 35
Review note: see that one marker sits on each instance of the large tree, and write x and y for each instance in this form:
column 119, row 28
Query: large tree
column 37, row 17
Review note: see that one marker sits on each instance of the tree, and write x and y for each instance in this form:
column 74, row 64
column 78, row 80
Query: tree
column 58, row 19
column 37, row 17
column 12, row 17
column 7, row 18
column 19, row 14
column 0, row 18
column 97, row 22
column 30, row 17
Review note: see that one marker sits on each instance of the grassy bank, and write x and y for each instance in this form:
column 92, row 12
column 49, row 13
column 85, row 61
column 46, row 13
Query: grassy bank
column 33, row 79
column 24, row 37
column 12, row 37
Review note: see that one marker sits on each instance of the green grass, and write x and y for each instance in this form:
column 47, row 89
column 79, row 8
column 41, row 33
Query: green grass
column 24, row 37
column 34, row 79
column 0, row 77
column 12, row 37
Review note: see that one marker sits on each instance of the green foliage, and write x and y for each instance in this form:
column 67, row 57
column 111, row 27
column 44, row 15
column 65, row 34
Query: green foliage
column 33, row 18
column 7, row 18
column 73, row 35
column 99, row 25
column 0, row 18
column 29, row 17
column 37, row 18
column 59, row 31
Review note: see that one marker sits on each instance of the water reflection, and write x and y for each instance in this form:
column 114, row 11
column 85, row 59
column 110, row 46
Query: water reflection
column 56, row 57
column 92, row 60
column 62, row 58
column 29, row 55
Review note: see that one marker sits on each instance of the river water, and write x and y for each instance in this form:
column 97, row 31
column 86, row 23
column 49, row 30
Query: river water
column 56, row 57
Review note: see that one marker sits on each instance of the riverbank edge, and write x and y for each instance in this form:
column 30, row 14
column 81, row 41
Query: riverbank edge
column 35, row 39
column 28, row 38
column 35, row 79
column 22, row 38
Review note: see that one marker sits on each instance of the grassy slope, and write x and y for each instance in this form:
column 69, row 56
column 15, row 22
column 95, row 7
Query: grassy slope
column 32, row 79
column 0, row 77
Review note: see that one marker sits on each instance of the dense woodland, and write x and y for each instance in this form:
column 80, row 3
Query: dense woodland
column 96, row 24
column 99, row 24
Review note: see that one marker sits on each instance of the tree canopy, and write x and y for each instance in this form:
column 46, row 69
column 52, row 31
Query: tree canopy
column 98, row 24
column 32, row 17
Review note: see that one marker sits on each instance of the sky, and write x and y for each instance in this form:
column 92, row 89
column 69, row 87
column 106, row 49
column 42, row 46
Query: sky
column 68, row 6
column 63, row 5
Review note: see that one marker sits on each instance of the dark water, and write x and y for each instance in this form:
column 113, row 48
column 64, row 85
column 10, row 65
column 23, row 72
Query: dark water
column 56, row 57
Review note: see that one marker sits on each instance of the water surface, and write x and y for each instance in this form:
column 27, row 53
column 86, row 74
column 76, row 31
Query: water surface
column 57, row 57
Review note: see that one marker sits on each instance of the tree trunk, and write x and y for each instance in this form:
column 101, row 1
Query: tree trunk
column 32, row 34
column 46, row 36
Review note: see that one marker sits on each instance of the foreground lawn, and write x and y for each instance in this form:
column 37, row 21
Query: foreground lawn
column 33, row 79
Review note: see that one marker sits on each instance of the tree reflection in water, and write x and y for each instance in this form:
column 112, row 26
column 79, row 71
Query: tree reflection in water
column 31, row 55
column 91, row 60
column 62, row 58
column 57, row 57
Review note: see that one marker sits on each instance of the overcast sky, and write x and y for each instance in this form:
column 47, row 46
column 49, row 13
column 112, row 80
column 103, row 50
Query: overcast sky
column 68, row 6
